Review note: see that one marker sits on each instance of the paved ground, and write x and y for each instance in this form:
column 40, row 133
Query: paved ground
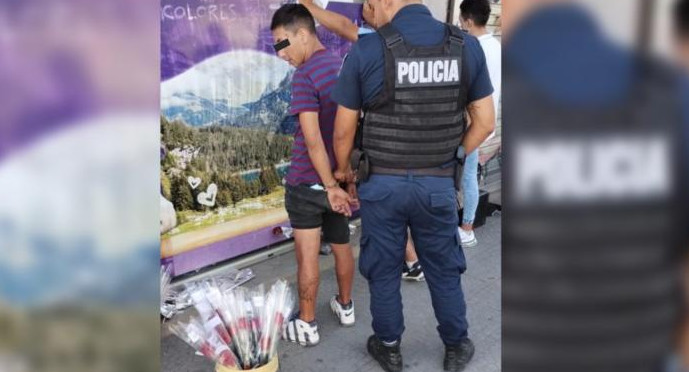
column 344, row 349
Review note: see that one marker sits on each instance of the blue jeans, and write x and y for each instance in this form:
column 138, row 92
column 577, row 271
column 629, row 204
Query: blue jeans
column 428, row 206
column 470, row 187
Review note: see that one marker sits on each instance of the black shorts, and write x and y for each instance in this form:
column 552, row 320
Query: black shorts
column 308, row 209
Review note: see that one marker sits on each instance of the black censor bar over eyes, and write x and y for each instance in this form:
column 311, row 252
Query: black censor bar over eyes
column 281, row 45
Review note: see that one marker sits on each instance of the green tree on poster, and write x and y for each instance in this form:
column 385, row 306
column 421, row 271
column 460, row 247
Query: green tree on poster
column 224, row 197
column 165, row 186
column 181, row 196
column 175, row 133
column 238, row 188
column 254, row 188
column 168, row 162
column 269, row 179
column 219, row 154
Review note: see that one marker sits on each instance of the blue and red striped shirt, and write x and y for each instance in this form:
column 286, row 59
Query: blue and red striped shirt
column 311, row 86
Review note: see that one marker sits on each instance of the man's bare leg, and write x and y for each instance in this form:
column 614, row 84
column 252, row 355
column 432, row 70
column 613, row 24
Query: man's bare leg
column 344, row 268
column 410, row 254
column 412, row 269
column 307, row 245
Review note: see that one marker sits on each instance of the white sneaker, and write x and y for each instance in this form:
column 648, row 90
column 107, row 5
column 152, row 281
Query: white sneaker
column 468, row 238
column 344, row 314
column 301, row 332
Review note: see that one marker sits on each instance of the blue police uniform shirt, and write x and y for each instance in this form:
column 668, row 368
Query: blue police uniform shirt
column 363, row 72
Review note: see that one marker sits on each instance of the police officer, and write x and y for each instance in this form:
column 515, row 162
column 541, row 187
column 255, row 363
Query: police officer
column 415, row 80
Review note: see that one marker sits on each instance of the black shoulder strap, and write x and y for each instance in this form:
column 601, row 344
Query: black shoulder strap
column 456, row 38
column 393, row 40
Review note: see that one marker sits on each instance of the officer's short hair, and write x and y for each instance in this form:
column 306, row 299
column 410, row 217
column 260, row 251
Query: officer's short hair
column 293, row 17
column 476, row 10
column 681, row 18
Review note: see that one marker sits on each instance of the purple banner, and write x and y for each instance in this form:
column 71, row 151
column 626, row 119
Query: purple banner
column 193, row 30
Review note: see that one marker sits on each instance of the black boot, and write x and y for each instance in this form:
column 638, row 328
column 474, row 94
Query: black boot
column 388, row 357
column 457, row 357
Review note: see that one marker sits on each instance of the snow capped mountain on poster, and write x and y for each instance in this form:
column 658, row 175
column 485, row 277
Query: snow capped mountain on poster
column 92, row 172
column 243, row 88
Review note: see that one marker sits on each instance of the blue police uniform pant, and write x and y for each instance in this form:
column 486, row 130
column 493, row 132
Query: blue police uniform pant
column 428, row 205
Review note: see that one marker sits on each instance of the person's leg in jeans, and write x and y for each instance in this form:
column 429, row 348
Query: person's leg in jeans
column 470, row 199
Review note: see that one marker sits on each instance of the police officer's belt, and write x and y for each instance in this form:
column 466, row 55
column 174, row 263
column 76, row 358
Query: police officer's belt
column 435, row 171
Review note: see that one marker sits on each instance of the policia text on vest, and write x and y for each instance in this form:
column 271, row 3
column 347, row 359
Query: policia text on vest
column 418, row 122
column 413, row 72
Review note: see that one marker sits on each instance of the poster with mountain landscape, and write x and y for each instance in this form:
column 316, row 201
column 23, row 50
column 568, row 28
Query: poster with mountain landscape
column 225, row 133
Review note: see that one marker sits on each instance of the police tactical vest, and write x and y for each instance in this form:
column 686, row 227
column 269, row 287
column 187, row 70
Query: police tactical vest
column 418, row 120
column 592, row 227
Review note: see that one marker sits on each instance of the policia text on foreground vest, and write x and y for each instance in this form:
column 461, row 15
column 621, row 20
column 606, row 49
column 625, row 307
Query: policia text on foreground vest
column 591, row 277
column 417, row 122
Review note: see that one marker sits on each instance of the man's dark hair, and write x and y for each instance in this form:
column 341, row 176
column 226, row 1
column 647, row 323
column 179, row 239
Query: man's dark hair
column 293, row 17
column 681, row 18
column 476, row 10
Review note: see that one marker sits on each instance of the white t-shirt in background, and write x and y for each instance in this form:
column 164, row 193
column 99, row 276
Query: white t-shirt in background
column 493, row 51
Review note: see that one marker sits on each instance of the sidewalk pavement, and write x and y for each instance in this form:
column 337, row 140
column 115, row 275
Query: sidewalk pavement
column 344, row 349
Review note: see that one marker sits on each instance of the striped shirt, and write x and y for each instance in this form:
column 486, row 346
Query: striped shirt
column 311, row 86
